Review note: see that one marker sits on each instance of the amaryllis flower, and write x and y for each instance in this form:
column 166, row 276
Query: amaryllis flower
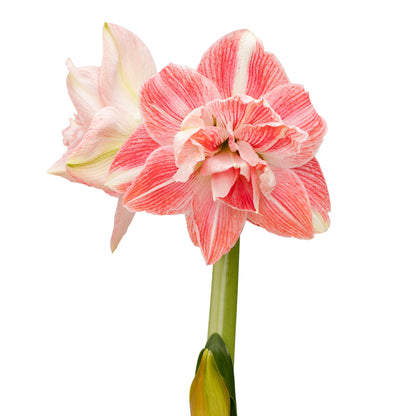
column 106, row 99
column 234, row 140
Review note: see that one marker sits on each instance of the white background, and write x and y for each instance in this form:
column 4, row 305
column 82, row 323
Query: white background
column 325, row 327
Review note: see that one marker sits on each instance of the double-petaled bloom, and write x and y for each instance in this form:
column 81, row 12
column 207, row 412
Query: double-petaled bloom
column 106, row 99
column 232, row 141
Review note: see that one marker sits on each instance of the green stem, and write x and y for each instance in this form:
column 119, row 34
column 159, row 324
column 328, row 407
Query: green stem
column 223, row 308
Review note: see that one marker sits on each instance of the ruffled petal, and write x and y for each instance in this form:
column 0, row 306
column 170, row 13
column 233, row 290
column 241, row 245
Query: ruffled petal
column 82, row 84
column 293, row 105
column 240, row 110
column 287, row 212
column 223, row 161
column 72, row 137
column 238, row 64
column 122, row 220
column 199, row 125
column 282, row 152
column 217, row 225
column 130, row 159
column 155, row 189
column 91, row 160
column 74, row 132
column 250, row 156
column 314, row 182
column 272, row 137
column 126, row 64
column 167, row 98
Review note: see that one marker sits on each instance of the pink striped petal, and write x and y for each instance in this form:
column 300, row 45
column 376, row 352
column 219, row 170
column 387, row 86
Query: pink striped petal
column 130, row 159
column 191, row 147
column 293, row 105
column 219, row 163
column 192, row 229
column 82, row 84
column 267, row 182
column 221, row 183
column 271, row 137
column 250, row 156
column 239, row 110
column 241, row 195
column 126, row 64
column 312, row 178
column 91, row 159
column 287, row 212
column 155, row 189
column 281, row 152
column 218, row 226
column 191, row 154
column 259, row 181
column 167, row 98
column 223, row 161
column 238, row 64
column 211, row 138
column 122, row 219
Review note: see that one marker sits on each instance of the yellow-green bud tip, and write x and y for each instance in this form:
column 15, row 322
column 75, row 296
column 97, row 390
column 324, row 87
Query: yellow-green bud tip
column 209, row 395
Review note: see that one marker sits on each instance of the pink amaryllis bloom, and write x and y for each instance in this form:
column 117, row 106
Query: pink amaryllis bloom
column 106, row 99
column 234, row 140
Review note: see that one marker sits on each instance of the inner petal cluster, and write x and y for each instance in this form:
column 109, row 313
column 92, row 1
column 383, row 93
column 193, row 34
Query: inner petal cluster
column 229, row 142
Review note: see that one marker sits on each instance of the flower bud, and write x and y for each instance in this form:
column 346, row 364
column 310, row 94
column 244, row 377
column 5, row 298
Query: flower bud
column 209, row 395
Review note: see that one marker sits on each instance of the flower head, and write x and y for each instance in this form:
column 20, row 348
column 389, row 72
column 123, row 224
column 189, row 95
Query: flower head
column 106, row 99
column 234, row 140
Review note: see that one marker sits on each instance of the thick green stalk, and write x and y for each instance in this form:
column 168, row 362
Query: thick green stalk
column 223, row 308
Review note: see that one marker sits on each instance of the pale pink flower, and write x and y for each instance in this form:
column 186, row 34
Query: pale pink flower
column 106, row 99
column 233, row 141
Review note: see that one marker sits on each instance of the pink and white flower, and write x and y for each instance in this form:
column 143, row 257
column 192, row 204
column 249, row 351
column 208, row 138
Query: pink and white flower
column 106, row 99
column 234, row 140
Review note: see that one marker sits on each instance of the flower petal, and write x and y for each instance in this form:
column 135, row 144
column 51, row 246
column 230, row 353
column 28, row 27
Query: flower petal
column 240, row 110
column 91, row 160
column 199, row 124
column 72, row 137
column 271, row 137
column 155, row 189
column 222, row 182
column 59, row 168
column 218, row 225
column 293, row 105
column 250, row 156
column 167, row 98
column 241, row 195
column 287, row 212
column 74, row 132
column 192, row 230
column 284, row 152
column 122, row 219
column 82, row 84
column 130, row 159
column 238, row 64
column 223, row 161
column 191, row 147
column 126, row 64
column 312, row 178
